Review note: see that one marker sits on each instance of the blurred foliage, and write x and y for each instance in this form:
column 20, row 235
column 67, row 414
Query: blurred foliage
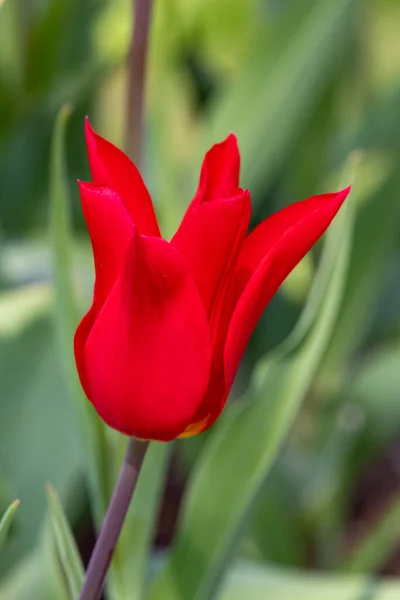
column 6, row 521
column 283, row 489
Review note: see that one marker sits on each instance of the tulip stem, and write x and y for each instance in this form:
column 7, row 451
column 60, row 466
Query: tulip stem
column 114, row 520
column 141, row 15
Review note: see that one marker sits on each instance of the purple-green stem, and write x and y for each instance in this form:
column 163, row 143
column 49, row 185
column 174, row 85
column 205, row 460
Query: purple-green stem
column 110, row 531
column 113, row 522
column 136, row 79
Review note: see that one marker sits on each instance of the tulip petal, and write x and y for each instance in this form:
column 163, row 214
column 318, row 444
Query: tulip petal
column 212, row 405
column 209, row 240
column 147, row 357
column 111, row 230
column 220, row 171
column 110, row 167
column 80, row 337
column 219, row 176
column 268, row 255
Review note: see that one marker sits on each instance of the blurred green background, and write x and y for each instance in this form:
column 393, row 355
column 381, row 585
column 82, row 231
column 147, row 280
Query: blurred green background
column 302, row 84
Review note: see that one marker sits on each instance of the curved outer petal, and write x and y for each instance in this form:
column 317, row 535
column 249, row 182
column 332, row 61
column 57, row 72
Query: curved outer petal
column 111, row 230
column 268, row 255
column 80, row 337
column 147, row 357
column 209, row 239
column 112, row 168
column 212, row 405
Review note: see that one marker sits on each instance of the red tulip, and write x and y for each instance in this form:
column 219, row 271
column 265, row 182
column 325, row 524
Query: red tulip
column 160, row 346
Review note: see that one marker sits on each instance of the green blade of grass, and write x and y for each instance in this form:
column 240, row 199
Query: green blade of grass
column 6, row 521
column 65, row 544
column 66, row 319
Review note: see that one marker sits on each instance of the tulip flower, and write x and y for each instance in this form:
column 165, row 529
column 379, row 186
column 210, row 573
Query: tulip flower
column 159, row 348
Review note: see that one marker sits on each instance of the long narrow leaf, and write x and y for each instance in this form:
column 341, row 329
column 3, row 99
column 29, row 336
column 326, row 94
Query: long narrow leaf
column 375, row 236
column 93, row 429
column 6, row 520
column 239, row 456
column 65, row 543
column 256, row 582
column 30, row 579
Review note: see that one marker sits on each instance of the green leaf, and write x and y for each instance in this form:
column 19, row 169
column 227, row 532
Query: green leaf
column 277, row 531
column 35, row 415
column 256, row 582
column 32, row 578
column 376, row 227
column 6, row 520
column 60, row 228
column 327, row 262
column 66, row 546
column 375, row 237
column 66, row 319
column 239, row 456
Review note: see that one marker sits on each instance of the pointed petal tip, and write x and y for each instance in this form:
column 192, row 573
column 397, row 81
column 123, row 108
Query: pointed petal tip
column 91, row 141
column 112, row 168
column 231, row 137
column 90, row 187
column 91, row 190
column 345, row 192
column 274, row 248
column 87, row 126
column 229, row 141
column 232, row 141
column 339, row 197
column 90, row 133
